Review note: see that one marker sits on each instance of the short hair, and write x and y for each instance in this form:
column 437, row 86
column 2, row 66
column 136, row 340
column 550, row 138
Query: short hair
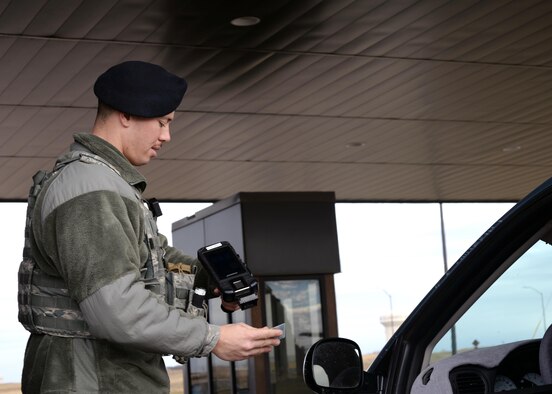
column 104, row 110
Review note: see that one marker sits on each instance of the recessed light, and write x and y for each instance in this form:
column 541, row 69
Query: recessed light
column 510, row 149
column 245, row 21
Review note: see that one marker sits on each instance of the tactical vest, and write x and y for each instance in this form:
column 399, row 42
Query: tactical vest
column 45, row 306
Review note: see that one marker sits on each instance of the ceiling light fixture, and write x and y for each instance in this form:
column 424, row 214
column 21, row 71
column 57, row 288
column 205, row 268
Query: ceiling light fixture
column 355, row 145
column 244, row 21
column 510, row 149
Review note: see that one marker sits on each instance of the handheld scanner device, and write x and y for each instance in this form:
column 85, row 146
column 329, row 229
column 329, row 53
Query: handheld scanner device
column 233, row 278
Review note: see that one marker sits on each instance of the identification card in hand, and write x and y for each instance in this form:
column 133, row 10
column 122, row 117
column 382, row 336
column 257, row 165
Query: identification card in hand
column 283, row 328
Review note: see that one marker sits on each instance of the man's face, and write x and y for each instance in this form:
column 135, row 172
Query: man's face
column 144, row 138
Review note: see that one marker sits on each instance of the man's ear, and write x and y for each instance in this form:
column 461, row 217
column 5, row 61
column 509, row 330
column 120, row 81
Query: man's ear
column 124, row 119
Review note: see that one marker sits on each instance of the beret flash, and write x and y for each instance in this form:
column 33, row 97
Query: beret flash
column 140, row 89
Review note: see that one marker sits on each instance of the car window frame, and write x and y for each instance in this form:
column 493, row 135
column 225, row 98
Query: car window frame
column 509, row 262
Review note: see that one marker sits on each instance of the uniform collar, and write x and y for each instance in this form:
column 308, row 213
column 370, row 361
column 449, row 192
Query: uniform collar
column 108, row 152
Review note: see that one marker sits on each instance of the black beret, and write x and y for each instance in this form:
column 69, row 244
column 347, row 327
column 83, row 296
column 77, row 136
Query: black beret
column 140, row 89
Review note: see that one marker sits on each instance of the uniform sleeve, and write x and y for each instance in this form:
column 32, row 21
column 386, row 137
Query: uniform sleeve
column 124, row 312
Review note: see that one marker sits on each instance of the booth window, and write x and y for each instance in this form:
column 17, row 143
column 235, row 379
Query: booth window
column 298, row 304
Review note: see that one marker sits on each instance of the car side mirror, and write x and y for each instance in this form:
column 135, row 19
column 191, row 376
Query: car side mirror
column 333, row 365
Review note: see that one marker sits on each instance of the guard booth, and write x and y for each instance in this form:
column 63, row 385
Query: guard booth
column 289, row 242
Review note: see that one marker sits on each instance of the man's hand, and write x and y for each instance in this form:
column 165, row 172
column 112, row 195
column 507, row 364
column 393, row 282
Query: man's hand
column 227, row 307
column 240, row 341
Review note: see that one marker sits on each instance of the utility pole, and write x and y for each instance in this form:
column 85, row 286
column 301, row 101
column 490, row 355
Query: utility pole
column 445, row 261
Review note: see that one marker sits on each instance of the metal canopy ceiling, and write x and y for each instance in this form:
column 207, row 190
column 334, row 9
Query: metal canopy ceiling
column 375, row 100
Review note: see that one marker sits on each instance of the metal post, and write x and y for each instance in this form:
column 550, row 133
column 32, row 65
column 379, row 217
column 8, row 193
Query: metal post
column 445, row 262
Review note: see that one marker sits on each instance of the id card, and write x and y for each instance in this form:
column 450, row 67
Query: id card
column 283, row 328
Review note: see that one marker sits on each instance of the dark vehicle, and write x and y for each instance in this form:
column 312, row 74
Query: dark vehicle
column 481, row 329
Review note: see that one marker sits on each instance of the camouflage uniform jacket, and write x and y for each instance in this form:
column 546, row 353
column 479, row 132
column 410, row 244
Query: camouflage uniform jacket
column 88, row 229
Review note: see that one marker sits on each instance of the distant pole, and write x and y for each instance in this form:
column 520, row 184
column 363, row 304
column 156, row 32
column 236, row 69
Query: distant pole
column 543, row 309
column 445, row 261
